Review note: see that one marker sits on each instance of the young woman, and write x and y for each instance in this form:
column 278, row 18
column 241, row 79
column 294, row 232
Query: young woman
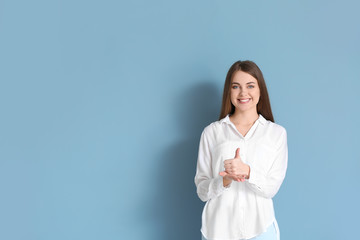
column 242, row 161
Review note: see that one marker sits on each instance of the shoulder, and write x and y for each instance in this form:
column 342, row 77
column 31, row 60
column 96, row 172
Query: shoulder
column 271, row 127
column 214, row 128
column 276, row 127
column 275, row 134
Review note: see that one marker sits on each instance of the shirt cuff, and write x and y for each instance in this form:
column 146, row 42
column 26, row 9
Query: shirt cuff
column 256, row 177
column 218, row 186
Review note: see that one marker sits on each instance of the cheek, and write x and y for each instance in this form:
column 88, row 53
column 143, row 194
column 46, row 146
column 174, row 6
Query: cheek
column 257, row 94
column 233, row 97
column 233, row 94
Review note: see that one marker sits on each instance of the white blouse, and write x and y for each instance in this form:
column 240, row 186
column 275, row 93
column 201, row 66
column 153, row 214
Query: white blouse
column 244, row 209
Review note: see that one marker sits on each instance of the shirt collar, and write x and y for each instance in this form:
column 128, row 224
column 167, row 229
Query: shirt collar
column 226, row 119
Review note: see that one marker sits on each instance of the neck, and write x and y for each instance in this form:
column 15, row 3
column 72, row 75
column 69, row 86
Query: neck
column 244, row 118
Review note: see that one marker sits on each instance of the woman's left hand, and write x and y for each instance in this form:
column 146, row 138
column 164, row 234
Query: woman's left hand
column 236, row 166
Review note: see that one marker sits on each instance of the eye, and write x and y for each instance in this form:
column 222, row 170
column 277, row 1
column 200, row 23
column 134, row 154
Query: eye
column 234, row 87
column 251, row 86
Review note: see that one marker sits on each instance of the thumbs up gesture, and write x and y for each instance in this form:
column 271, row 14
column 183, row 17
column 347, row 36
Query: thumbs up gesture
column 235, row 168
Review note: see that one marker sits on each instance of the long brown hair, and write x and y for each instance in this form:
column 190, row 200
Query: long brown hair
column 263, row 107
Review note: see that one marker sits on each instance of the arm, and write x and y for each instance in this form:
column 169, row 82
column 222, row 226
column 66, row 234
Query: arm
column 268, row 185
column 207, row 186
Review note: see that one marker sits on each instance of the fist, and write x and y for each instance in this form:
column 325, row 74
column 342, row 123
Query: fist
column 235, row 168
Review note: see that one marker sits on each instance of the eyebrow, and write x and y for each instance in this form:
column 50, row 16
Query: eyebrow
column 246, row 83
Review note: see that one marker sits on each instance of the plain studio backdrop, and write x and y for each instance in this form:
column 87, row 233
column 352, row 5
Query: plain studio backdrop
column 103, row 103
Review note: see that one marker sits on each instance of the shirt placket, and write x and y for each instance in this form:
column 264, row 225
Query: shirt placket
column 241, row 187
column 243, row 142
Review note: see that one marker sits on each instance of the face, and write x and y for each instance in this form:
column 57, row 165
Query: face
column 245, row 92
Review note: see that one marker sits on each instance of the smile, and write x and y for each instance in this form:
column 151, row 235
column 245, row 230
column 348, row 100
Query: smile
column 244, row 100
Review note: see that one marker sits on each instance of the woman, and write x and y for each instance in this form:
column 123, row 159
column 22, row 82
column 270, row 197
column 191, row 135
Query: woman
column 242, row 161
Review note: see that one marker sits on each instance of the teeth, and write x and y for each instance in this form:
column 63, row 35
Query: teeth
column 245, row 100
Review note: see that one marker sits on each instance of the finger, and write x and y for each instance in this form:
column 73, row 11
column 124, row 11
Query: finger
column 237, row 153
column 228, row 167
column 227, row 161
column 233, row 177
column 223, row 174
column 238, row 177
column 227, row 164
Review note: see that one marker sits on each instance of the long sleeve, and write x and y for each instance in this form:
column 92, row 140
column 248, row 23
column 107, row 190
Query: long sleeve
column 207, row 185
column 268, row 185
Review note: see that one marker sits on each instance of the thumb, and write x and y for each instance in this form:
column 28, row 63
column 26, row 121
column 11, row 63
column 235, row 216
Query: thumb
column 237, row 153
column 223, row 174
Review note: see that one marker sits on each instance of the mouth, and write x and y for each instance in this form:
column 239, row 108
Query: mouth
column 244, row 100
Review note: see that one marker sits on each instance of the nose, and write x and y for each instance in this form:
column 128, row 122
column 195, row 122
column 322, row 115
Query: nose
column 243, row 92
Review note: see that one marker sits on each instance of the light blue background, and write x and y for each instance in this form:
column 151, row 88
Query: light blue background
column 103, row 102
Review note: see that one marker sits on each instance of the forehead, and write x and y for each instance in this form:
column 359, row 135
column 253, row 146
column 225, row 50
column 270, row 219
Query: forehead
column 242, row 77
